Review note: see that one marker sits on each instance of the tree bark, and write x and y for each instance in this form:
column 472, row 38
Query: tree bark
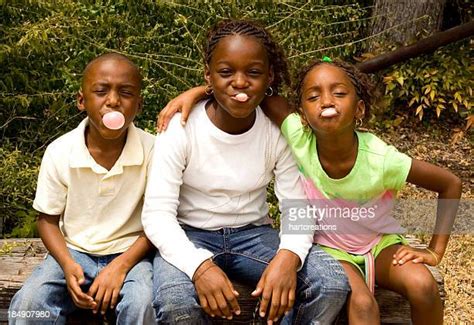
column 403, row 19
column 423, row 46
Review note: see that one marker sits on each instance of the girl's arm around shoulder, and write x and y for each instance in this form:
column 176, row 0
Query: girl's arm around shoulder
column 276, row 108
column 182, row 103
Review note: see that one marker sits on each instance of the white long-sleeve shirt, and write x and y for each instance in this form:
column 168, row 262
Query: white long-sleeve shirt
column 206, row 178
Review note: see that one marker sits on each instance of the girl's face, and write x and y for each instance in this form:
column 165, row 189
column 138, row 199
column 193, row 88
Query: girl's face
column 329, row 100
column 239, row 73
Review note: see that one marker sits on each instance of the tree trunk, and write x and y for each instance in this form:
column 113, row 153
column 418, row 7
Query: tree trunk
column 399, row 21
column 424, row 46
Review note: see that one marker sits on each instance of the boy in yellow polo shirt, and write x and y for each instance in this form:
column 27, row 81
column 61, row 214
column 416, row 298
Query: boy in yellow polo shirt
column 89, row 198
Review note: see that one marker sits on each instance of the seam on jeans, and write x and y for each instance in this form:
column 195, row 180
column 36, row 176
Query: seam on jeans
column 217, row 255
column 303, row 279
column 55, row 321
column 251, row 257
column 298, row 315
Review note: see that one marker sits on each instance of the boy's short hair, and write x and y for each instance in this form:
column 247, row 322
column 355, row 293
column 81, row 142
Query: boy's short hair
column 111, row 56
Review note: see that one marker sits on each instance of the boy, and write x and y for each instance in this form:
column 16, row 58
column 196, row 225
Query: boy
column 89, row 198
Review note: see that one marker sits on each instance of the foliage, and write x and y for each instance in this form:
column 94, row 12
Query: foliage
column 435, row 84
column 19, row 172
column 44, row 45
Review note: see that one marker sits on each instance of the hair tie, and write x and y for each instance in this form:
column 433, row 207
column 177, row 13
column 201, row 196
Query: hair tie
column 327, row 59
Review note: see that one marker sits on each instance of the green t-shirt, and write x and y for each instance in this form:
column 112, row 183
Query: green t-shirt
column 379, row 167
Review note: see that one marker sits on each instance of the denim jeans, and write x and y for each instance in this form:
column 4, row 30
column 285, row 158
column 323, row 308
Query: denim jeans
column 244, row 253
column 46, row 291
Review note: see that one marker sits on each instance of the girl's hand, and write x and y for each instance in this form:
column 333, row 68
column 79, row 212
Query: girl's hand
column 216, row 293
column 106, row 287
column 277, row 286
column 416, row 255
column 183, row 103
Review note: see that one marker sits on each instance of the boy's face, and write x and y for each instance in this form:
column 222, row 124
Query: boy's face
column 110, row 84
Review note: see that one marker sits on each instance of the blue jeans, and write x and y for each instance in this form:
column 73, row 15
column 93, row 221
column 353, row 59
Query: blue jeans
column 46, row 291
column 244, row 253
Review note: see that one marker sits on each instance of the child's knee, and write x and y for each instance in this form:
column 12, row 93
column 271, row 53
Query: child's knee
column 363, row 304
column 177, row 303
column 177, row 294
column 31, row 296
column 422, row 287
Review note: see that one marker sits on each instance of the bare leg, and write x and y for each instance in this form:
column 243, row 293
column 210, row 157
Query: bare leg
column 415, row 282
column 361, row 305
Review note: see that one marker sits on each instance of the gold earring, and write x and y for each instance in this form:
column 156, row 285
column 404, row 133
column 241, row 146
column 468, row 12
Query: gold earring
column 208, row 90
column 359, row 123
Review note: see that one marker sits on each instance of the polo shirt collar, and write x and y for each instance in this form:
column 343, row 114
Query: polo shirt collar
column 132, row 153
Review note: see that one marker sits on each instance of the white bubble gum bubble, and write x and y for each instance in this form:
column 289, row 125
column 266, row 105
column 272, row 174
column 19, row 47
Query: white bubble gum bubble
column 113, row 120
column 329, row 112
column 241, row 97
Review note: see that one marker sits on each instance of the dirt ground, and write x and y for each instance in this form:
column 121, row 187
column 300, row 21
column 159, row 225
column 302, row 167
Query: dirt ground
column 434, row 144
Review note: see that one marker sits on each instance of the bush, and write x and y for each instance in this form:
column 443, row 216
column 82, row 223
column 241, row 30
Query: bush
column 44, row 46
column 433, row 85
column 18, row 172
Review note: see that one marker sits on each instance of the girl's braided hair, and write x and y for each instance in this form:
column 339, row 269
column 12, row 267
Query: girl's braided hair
column 363, row 85
column 276, row 56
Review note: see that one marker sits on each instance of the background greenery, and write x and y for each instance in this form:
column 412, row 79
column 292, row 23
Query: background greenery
column 44, row 45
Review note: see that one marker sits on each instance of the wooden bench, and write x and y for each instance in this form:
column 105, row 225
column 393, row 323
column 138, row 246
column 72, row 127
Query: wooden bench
column 18, row 258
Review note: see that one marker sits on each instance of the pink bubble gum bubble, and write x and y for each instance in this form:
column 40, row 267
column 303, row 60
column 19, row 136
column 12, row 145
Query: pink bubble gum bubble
column 113, row 120
column 241, row 97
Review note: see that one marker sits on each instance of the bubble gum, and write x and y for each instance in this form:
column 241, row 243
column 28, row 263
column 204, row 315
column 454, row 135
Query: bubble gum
column 113, row 120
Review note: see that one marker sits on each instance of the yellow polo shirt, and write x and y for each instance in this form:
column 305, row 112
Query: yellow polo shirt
column 100, row 209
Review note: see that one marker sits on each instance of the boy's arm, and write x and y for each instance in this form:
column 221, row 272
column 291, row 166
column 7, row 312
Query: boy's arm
column 53, row 239
column 183, row 103
column 106, row 286
column 448, row 187
column 276, row 108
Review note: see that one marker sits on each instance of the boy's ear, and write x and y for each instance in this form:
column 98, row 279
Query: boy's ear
column 80, row 100
column 360, row 109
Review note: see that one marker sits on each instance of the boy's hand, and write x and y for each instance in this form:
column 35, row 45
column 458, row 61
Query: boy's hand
column 74, row 278
column 106, row 287
column 215, row 291
column 183, row 103
column 416, row 255
column 278, row 285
